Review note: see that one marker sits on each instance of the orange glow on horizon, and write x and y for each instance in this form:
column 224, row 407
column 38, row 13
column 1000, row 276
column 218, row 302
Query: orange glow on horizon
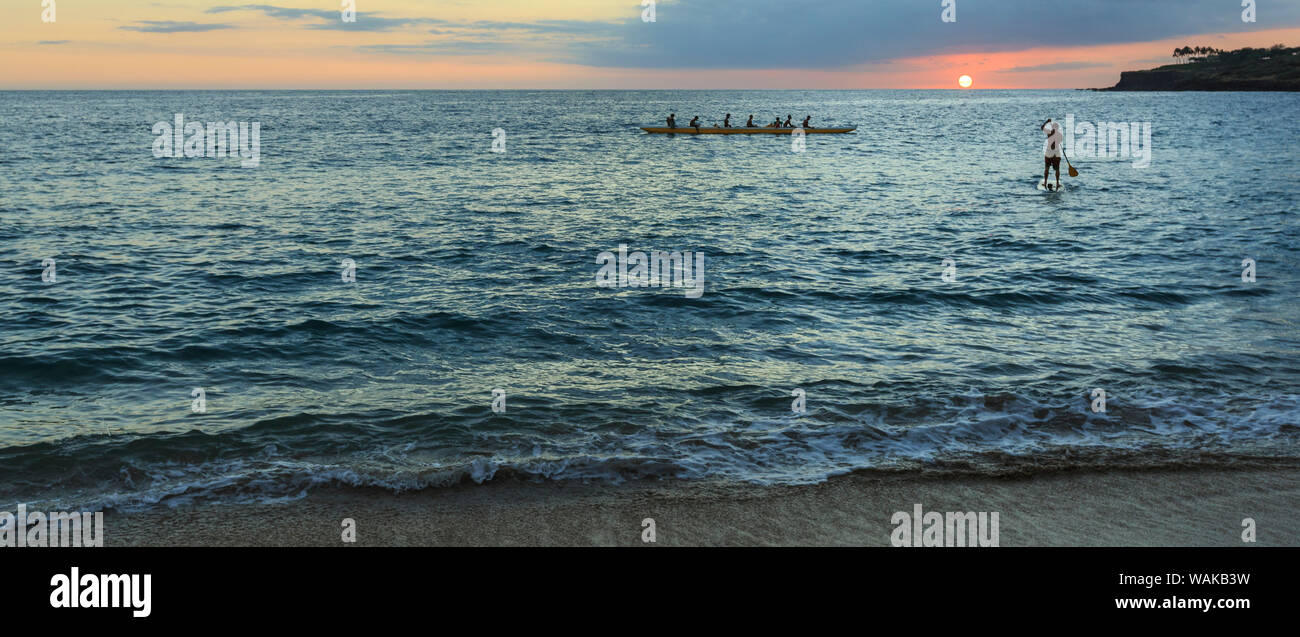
column 1066, row 67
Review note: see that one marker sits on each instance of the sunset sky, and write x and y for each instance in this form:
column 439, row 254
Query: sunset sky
column 288, row 44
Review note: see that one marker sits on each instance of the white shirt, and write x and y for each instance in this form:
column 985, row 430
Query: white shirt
column 1052, row 145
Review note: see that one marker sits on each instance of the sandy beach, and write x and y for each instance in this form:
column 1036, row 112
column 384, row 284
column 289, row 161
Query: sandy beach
column 1183, row 507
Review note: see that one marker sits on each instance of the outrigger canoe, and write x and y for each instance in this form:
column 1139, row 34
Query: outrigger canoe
column 687, row 130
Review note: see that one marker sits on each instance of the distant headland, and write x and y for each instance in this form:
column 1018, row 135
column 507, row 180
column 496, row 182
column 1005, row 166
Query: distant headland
column 1207, row 69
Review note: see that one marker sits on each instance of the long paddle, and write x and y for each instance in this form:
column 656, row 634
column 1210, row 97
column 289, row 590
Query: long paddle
column 1073, row 172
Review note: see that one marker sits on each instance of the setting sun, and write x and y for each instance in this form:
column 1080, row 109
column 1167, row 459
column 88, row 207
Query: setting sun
column 965, row 81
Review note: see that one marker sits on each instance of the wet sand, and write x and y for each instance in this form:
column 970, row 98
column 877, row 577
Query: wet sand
column 1184, row 507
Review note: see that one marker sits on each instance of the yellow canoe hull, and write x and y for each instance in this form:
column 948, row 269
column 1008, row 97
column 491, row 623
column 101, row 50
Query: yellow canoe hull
column 686, row 130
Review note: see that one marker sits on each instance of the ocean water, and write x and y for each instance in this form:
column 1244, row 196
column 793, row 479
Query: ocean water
column 475, row 271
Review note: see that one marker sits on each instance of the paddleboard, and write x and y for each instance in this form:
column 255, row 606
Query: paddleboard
column 1053, row 186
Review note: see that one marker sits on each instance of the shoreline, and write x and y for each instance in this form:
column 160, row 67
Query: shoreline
column 1152, row 507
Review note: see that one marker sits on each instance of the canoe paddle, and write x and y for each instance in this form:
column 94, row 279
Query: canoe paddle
column 1073, row 172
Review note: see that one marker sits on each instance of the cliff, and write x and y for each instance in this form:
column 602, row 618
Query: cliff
column 1275, row 69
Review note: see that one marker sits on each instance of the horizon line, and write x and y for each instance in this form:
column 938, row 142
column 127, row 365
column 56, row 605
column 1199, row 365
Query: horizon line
column 179, row 90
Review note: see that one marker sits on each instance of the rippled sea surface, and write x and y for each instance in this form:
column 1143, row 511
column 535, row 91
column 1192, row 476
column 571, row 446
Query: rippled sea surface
column 476, row 271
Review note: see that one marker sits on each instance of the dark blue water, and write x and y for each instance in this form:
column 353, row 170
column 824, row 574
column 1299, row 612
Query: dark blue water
column 476, row 271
